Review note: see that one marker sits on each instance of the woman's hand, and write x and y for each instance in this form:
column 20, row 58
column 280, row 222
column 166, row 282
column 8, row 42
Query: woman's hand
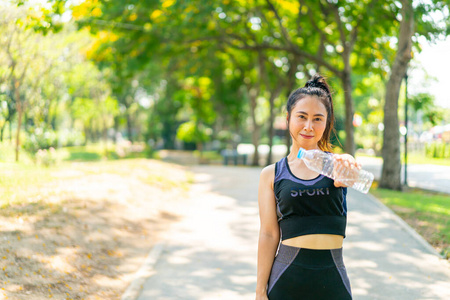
column 346, row 170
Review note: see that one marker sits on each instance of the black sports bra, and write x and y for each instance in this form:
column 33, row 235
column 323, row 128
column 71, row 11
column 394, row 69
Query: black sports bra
column 304, row 207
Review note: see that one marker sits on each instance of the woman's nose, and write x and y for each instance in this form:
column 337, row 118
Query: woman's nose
column 308, row 125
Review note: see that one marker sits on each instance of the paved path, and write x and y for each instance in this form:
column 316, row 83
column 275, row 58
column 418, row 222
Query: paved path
column 211, row 253
column 430, row 177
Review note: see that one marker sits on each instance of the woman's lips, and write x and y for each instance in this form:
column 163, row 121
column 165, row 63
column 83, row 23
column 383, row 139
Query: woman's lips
column 307, row 136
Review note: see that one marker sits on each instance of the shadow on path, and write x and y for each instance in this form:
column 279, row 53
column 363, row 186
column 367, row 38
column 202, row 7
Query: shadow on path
column 384, row 260
column 211, row 252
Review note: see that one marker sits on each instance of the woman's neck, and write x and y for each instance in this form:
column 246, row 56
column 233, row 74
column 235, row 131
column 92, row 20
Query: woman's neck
column 294, row 150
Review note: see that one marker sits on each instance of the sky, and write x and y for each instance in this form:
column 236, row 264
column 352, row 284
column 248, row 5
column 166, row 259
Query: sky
column 434, row 60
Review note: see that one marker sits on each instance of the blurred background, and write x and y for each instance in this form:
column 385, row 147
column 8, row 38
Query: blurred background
column 103, row 104
column 213, row 77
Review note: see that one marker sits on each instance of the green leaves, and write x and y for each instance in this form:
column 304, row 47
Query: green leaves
column 193, row 133
column 425, row 102
column 196, row 58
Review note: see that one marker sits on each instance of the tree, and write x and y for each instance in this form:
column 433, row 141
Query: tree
column 138, row 39
column 391, row 147
column 413, row 21
column 19, row 48
column 319, row 34
column 39, row 73
column 197, row 94
column 349, row 39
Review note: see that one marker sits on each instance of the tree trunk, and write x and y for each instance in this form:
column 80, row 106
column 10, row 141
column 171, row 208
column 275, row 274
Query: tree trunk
column 26, row 123
column 291, row 80
column 271, row 130
column 349, row 110
column 288, row 133
column 129, row 127
column 10, row 133
column 390, row 175
column 199, row 146
column 105, row 136
column 253, row 94
column 274, row 94
column 288, row 141
column 2, row 130
column 116, row 128
column 19, row 121
column 86, row 135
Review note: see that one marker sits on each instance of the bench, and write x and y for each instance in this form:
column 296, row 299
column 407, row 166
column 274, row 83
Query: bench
column 233, row 155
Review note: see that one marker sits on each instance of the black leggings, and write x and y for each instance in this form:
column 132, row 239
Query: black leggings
column 307, row 274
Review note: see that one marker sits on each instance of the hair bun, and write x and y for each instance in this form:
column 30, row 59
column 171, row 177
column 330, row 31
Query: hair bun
column 311, row 83
column 316, row 81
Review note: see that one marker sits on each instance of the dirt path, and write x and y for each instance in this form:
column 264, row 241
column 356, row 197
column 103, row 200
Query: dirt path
column 85, row 233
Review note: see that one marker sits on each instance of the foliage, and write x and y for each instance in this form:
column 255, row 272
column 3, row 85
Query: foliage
column 7, row 154
column 192, row 133
column 42, row 17
column 46, row 157
column 425, row 102
column 44, row 78
column 369, row 98
column 41, row 139
column 145, row 68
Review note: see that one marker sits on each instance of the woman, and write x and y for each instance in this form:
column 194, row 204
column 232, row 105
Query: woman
column 305, row 210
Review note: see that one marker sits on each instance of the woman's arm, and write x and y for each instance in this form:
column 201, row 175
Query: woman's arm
column 269, row 234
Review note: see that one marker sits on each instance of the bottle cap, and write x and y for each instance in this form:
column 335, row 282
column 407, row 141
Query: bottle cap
column 301, row 153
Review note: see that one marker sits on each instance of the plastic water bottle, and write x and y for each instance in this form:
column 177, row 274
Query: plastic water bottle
column 324, row 163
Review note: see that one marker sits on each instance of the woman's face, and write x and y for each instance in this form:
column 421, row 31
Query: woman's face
column 308, row 122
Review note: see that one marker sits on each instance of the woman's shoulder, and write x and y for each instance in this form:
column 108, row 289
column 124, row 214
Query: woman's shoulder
column 269, row 168
column 268, row 172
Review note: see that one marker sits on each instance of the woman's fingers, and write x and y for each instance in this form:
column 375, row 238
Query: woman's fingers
column 346, row 170
column 348, row 160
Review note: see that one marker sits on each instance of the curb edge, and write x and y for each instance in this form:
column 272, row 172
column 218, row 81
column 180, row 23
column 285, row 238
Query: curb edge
column 413, row 233
column 135, row 287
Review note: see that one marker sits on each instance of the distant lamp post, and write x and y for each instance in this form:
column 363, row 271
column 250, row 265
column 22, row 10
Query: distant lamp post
column 406, row 128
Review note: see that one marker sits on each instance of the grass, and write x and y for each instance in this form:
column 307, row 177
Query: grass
column 417, row 158
column 428, row 213
column 94, row 152
column 19, row 182
column 210, row 157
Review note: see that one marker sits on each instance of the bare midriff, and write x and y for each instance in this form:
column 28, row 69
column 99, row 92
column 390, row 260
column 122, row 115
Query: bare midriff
column 316, row 241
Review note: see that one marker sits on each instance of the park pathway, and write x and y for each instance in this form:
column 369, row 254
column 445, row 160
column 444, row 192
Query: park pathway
column 211, row 253
column 425, row 176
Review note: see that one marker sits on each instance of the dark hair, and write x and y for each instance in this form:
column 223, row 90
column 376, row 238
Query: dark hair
column 316, row 86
